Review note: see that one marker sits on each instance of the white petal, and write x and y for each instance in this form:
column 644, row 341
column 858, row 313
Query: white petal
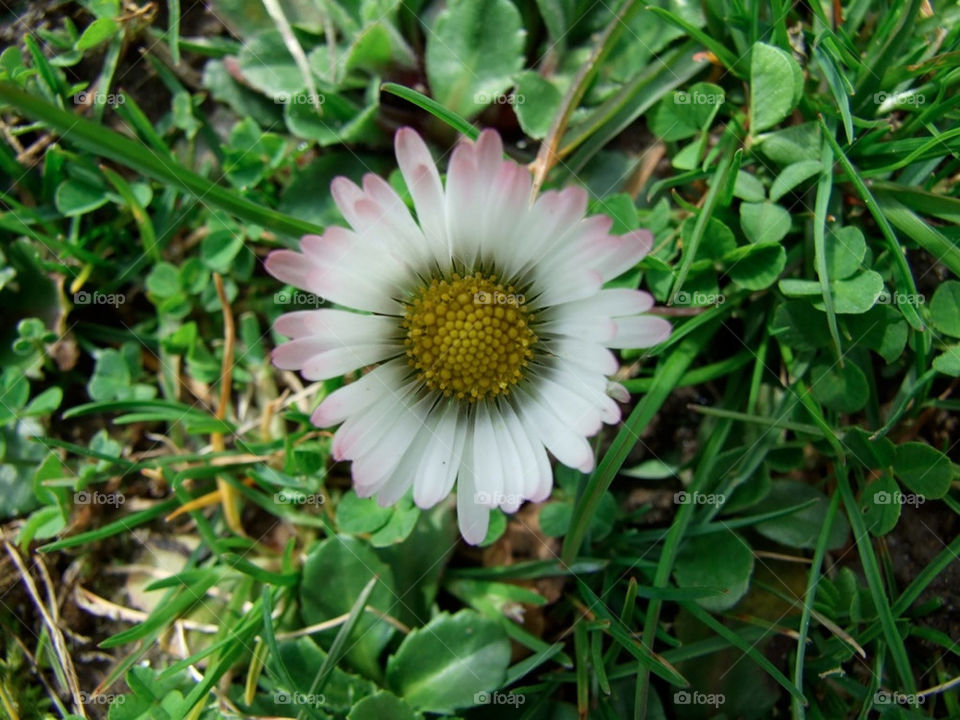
column 360, row 394
column 508, row 206
column 625, row 253
column 544, row 472
column 463, row 212
column 423, row 182
column 487, row 466
column 562, row 288
column 341, row 267
column 589, row 355
column 511, row 463
column 598, row 330
column 336, row 362
column 618, row 392
column 473, row 518
column 567, row 446
column 528, row 472
column 441, row 460
column 391, row 215
column 393, row 460
column 340, row 327
column 346, row 194
column 550, row 224
column 589, row 386
column 580, row 415
column 489, row 156
column 610, row 303
column 290, row 267
column 362, row 431
column 640, row 332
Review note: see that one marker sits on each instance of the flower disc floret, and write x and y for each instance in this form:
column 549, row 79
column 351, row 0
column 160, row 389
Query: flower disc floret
column 470, row 337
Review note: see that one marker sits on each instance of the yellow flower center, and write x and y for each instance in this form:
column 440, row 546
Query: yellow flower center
column 468, row 337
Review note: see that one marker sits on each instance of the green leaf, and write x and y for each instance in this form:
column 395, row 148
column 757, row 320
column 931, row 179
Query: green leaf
column 77, row 198
column 46, row 402
column 948, row 362
column 799, row 529
column 845, row 249
column 879, row 502
column 219, row 248
column 370, row 49
column 721, row 560
column 442, row 666
column 945, row 308
column 776, row 82
column 474, row 50
column 794, row 144
column 360, row 515
column 111, row 378
column 403, row 519
column 419, row 562
column 352, row 563
column 843, row 389
column 882, row 328
column 858, row 294
column 923, row 469
column 854, row 296
column 756, row 267
column 382, row 706
column 684, row 113
column 792, row 175
column 717, row 240
column 266, row 64
column 748, row 187
column 877, row 453
column 98, row 31
column 163, row 280
column 536, row 103
column 341, row 121
column 300, row 659
column 558, row 16
column 799, row 325
column 764, row 222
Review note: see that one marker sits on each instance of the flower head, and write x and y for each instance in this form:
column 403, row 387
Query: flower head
column 486, row 319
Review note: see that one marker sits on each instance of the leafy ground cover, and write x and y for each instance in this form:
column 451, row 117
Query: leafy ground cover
column 772, row 530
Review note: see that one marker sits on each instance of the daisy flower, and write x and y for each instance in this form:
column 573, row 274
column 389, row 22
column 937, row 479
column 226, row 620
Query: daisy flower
column 486, row 319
